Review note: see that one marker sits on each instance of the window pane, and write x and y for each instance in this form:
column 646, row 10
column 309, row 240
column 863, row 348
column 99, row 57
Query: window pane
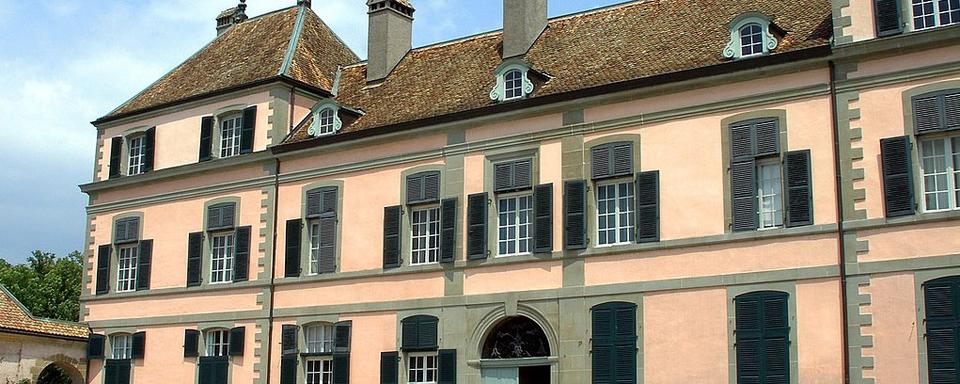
column 135, row 158
column 933, row 162
column 769, row 196
column 221, row 258
column 230, row 137
column 314, row 248
column 751, row 39
column 121, row 346
column 422, row 369
column 127, row 269
column 426, row 235
column 514, row 224
column 615, row 215
column 217, row 343
column 513, row 84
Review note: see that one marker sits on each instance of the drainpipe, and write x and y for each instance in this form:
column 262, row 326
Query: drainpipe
column 840, row 241
column 273, row 266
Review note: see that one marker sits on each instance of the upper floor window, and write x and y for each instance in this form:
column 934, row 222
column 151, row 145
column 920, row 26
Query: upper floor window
column 322, row 229
column 769, row 194
column 121, row 346
column 425, row 225
column 933, row 13
column 127, row 267
column 136, row 155
column 221, row 257
column 612, row 171
column 218, row 343
column 133, row 153
column 319, row 338
column 940, row 163
column 325, row 121
column 750, row 35
column 513, row 82
column 513, row 182
column 230, row 136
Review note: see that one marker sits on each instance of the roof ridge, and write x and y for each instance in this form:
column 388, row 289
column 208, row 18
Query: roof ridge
column 292, row 45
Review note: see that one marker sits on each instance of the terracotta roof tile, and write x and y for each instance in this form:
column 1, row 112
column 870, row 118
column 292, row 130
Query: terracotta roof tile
column 625, row 42
column 14, row 316
column 319, row 52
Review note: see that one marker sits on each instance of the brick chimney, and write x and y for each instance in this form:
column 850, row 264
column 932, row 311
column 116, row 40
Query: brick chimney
column 390, row 36
column 523, row 22
column 231, row 16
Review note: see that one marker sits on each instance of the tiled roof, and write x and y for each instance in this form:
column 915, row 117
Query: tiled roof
column 250, row 52
column 15, row 317
column 630, row 41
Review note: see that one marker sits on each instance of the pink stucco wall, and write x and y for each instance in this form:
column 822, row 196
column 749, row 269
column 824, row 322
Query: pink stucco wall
column 370, row 290
column 862, row 20
column 819, row 331
column 685, row 337
column 511, row 278
column 206, row 302
column 895, row 329
column 924, row 240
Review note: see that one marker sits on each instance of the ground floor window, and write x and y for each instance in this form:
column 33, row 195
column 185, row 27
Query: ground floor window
column 218, row 342
column 121, row 346
column 422, row 368
column 319, row 371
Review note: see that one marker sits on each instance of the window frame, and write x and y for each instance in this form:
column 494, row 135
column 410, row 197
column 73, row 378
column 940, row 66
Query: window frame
column 131, row 269
column 499, row 92
column 779, row 215
column 425, row 357
column 631, row 214
column 937, row 14
column 213, row 347
column 126, row 352
column 229, row 248
column 141, row 150
column 517, row 240
column 734, row 48
column 326, row 369
column 950, row 144
column 317, row 128
column 326, row 340
column 237, row 119
column 414, row 210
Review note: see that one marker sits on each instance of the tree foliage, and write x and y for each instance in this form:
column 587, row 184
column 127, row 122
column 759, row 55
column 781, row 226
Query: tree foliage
column 46, row 284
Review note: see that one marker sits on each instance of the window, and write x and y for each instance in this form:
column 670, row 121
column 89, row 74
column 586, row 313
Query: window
column 422, row 368
column 319, row 370
column 127, row 268
column 513, row 84
column 425, row 225
column 769, row 194
column 218, row 343
column 940, row 163
column 136, row 156
column 762, row 338
column 325, row 121
column 122, row 346
column 319, row 338
column 314, row 247
column 750, row 35
column 230, row 136
column 943, row 327
column 221, row 258
column 514, row 218
column 932, row 13
column 615, row 220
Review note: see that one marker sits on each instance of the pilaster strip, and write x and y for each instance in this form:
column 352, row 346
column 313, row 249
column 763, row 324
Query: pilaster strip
column 840, row 22
column 858, row 318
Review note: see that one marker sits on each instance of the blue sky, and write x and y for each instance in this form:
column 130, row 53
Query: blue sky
column 66, row 62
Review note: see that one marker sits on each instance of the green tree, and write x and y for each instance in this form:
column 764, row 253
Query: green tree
column 46, row 284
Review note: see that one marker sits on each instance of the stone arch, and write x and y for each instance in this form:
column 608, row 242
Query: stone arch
column 58, row 372
column 498, row 316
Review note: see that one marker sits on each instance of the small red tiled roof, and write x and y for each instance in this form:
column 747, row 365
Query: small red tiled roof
column 636, row 40
column 17, row 318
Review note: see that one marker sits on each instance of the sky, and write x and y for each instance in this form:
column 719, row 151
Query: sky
column 64, row 63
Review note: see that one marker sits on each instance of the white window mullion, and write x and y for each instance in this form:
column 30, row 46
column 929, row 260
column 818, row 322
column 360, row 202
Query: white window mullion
column 425, row 236
column 615, row 208
column 221, row 258
column 127, row 268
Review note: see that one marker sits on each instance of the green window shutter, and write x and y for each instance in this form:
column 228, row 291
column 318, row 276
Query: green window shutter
column 423, row 187
column 236, row 344
column 897, row 176
column 575, row 214
column 648, row 207
column 799, row 191
column 103, row 268
column 743, row 195
column 419, row 333
column 887, row 14
column 951, row 109
column 477, row 226
column 288, row 369
column 928, row 114
column 611, row 160
column 341, row 368
column 139, row 345
column 213, row 370
column 741, row 141
column 341, row 336
column 762, row 338
column 503, row 177
column 221, row 216
column 116, row 151
column 288, row 339
column 328, row 244
column 95, row 346
column 126, row 230
column 513, row 175
column 144, row 260
column 614, row 343
column 149, row 148
column 191, row 343
column 291, row 257
column 241, row 254
column 448, row 230
column 543, row 218
column 194, row 258
column 942, row 321
column 247, row 129
column 314, row 199
column 116, row 371
column 389, row 367
column 767, row 137
column 206, row 138
column 600, row 158
column 391, row 236
column 447, row 366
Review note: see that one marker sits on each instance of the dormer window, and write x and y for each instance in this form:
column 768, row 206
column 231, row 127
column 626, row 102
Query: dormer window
column 513, row 83
column 326, row 120
column 750, row 35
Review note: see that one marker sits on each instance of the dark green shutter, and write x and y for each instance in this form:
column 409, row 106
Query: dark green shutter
column 241, row 254
column 937, row 111
column 614, row 343
column 206, row 138
column 246, row 132
column 423, row 187
column 447, row 366
column 103, row 268
column 194, row 258
column 389, row 367
column 648, row 207
column 288, row 339
column 237, row 336
column 448, row 230
column 95, row 346
column 419, row 333
column 328, row 244
column 221, row 216
column 741, row 141
column 391, row 236
column 897, row 176
column 743, row 195
column 611, row 160
column 126, row 231
column 341, row 368
column 762, row 338
column 214, row 370
column 291, row 258
column 149, row 148
column 341, row 336
column 575, row 214
column 941, row 298
column 767, row 137
column 288, row 369
column 887, row 14
column 477, row 226
column 116, row 371
column 314, row 199
column 144, row 260
column 543, row 218
column 512, row 175
column 799, row 191
column 191, row 343
column 139, row 345
column 116, row 151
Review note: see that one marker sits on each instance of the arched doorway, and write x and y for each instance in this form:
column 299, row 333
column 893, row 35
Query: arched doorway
column 55, row 373
column 515, row 351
